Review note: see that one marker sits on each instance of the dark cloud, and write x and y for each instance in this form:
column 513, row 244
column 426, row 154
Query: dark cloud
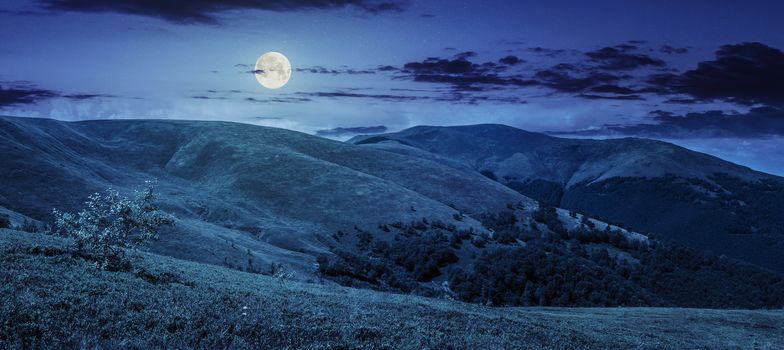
column 344, row 94
column 683, row 101
column 612, row 89
column 747, row 73
column 626, row 47
column 387, row 68
column 285, row 99
column 673, row 50
column 442, row 66
column 547, row 51
column 561, row 81
column 205, row 11
column 611, row 97
column 510, row 60
column 79, row 97
column 233, row 91
column 565, row 67
column 27, row 12
column 473, row 99
column 466, row 55
column 23, row 93
column 323, row 70
column 342, row 132
column 590, row 81
column 756, row 123
column 619, row 58
column 462, row 74
column 453, row 96
column 508, row 42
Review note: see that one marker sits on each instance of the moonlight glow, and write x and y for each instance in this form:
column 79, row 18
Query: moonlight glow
column 273, row 70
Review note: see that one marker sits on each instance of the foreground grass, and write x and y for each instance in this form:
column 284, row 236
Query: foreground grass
column 48, row 299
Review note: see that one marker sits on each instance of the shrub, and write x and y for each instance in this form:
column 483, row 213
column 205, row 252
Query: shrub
column 27, row 226
column 5, row 221
column 110, row 223
column 489, row 174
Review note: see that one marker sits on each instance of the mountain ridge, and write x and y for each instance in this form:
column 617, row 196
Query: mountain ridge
column 647, row 185
column 241, row 186
column 387, row 216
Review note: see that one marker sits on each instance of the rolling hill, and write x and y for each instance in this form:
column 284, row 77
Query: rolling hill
column 235, row 188
column 378, row 215
column 52, row 300
column 648, row 186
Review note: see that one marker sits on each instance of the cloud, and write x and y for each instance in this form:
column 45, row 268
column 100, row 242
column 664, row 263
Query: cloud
column 547, row 51
column 619, row 58
column 285, row 99
column 387, row 68
column 21, row 95
column 612, row 97
column 758, row 122
column 510, row 60
column 323, row 70
column 598, row 80
column 442, row 66
column 343, row 94
column 206, row 11
column 466, row 55
column 555, row 78
column 612, row 89
column 746, row 73
column 80, row 97
column 472, row 99
column 751, row 74
column 24, row 93
column 464, row 75
column 673, row 50
column 239, row 95
column 343, row 132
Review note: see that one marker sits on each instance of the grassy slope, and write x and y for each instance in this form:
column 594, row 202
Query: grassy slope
column 51, row 299
column 235, row 187
column 622, row 181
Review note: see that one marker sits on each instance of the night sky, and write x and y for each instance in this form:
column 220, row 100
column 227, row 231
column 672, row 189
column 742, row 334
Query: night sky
column 708, row 75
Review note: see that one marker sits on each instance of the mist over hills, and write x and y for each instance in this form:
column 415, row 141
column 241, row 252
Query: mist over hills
column 645, row 185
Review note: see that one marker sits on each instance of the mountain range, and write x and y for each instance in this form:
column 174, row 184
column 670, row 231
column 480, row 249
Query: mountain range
column 235, row 187
column 483, row 213
column 645, row 185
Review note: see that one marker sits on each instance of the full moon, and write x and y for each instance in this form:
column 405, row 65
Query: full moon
column 273, row 70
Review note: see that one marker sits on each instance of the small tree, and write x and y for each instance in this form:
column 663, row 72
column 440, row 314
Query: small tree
column 110, row 223
column 5, row 221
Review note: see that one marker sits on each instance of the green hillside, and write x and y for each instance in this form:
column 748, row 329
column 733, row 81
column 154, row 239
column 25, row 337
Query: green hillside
column 52, row 300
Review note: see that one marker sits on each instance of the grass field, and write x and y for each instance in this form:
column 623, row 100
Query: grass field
column 49, row 299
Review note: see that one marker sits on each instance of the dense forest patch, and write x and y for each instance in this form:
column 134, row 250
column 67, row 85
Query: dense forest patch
column 536, row 260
